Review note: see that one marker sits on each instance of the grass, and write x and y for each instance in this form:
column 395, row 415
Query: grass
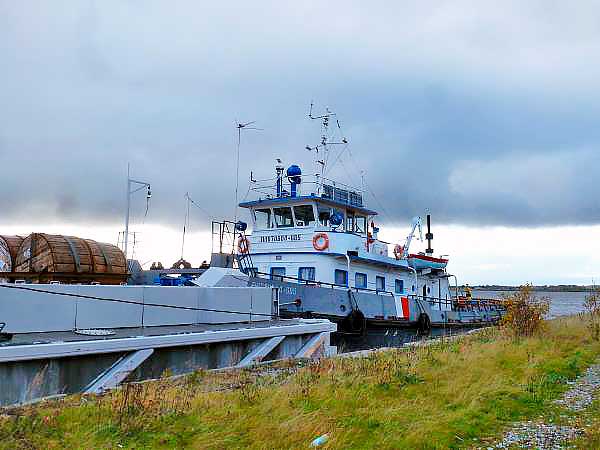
column 453, row 394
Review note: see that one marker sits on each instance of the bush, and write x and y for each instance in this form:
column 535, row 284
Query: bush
column 525, row 313
column 592, row 306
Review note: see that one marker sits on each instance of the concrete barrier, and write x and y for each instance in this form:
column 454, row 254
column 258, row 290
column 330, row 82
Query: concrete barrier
column 27, row 308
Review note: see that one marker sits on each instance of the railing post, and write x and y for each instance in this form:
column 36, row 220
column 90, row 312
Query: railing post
column 275, row 304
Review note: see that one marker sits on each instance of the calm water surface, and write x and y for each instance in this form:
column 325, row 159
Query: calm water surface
column 561, row 303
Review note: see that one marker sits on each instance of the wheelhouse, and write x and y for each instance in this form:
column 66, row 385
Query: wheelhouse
column 309, row 212
column 291, row 234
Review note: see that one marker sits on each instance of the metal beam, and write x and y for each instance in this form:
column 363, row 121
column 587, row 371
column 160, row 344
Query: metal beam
column 261, row 351
column 88, row 347
column 311, row 346
column 120, row 370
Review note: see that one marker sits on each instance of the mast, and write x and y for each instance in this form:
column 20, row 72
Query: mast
column 321, row 150
column 429, row 236
column 126, row 236
column 140, row 185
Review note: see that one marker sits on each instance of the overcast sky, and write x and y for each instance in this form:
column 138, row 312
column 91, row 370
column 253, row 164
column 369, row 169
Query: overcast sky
column 482, row 113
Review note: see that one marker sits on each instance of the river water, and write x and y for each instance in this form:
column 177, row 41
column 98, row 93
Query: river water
column 561, row 304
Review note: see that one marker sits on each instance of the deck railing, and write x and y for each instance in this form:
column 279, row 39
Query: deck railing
column 474, row 303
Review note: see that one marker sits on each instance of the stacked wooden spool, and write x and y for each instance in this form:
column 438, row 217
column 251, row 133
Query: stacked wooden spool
column 9, row 245
column 41, row 258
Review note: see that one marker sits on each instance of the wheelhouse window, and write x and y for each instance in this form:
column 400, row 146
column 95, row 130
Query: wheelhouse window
column 324, row 214
column 263, row 218
column 306, row 274
column 277, row 273
column 350, row 222
column 360, row 280
column 283, row 217
column 305, row 216
column 399, row 286
column 380, row 283
column 341, row 277
column 361, row 224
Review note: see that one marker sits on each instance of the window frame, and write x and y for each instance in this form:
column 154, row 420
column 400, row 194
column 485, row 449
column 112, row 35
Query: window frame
column 345, row 277
column 357, row 218
column 302, row 280
column 377, row 278
column 396, row 281
column 271, row 218
column 322, row 209
column 365, row 284
column 350, row 218
column 315, row 220
column 293, row 223
column 271, row 275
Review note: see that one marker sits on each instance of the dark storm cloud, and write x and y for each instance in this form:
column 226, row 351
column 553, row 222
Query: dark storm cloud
column 479, row 114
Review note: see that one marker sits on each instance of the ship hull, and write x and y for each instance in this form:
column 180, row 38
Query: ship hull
column 356, row 310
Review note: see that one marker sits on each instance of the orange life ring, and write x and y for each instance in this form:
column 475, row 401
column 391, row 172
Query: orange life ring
column 321, row 241
column 398, row 251
column 243, row 245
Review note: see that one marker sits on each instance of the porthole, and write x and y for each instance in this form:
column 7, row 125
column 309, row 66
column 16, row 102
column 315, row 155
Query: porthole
column 428, row 290
column 413, row 288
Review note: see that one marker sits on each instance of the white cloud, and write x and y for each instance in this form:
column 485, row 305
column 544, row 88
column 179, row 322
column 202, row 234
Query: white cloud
column 510, row 255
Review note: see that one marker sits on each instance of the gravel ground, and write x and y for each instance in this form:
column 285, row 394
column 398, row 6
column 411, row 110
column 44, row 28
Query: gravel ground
column 544, row 436
column 581, row 394
column 538, row 435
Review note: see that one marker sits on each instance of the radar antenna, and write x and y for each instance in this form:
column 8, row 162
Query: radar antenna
column 322, row 150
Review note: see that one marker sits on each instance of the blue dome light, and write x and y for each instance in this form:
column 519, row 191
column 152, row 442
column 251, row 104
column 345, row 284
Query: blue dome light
column 336, row 219
column 294, row 171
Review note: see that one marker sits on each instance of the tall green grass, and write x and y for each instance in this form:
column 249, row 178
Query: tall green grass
column 451, row 394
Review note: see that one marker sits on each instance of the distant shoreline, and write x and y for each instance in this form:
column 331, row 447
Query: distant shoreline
column 555, row 288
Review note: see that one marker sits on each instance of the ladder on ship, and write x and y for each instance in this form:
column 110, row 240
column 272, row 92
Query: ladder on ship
column 228, row 235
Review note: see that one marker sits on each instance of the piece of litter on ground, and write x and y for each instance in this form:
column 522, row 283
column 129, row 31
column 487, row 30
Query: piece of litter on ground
column 320, row 441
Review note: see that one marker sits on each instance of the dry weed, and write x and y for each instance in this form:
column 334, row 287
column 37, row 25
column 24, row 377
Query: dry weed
column 525, row 313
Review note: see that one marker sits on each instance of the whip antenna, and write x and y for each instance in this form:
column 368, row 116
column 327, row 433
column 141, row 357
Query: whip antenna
column 240, row 126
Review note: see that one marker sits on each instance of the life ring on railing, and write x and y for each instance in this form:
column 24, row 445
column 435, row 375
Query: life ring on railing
column 398, row 251
column 243, row 245
column 320, row 242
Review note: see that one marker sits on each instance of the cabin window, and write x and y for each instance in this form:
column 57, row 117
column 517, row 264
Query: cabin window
column 399, row 286
column 263, row 218
column 283, row 217
column 305, row 215
column 277, row 273
column 324, row 214
column 380, row 283
column 361, row 224
column 341, row 277
column 360, row 280
column 350, row 222
column 306, row 274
